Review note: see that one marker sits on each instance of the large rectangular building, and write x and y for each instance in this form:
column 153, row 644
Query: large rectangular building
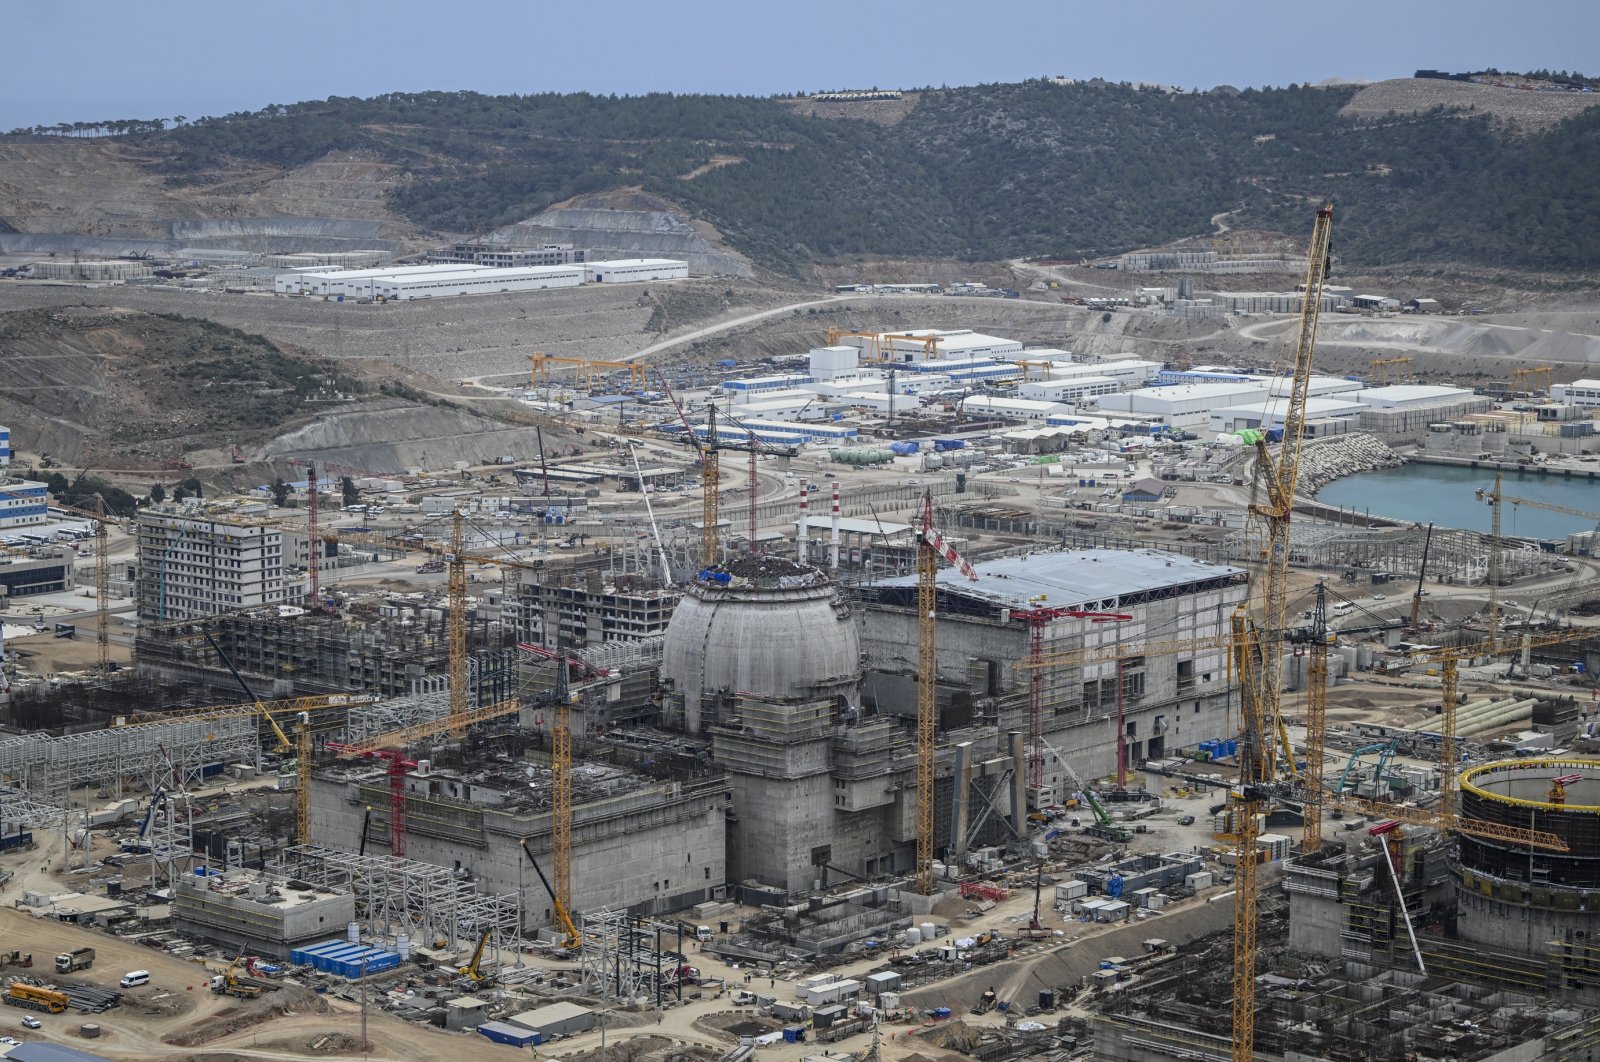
column 1168, row 702
column 471, row 280
column 200, row 566
column 629, row 270
column 5, row 446
column 505, row 256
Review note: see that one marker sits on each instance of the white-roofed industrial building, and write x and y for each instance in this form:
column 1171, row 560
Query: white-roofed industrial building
column 1577, row 393
column 1011, row 408
column 1412, row 407
column 477, row 280
column 1181, row 405
column 629, row 270
column 1324, row 416
column 1072, row 389
column 351, row 283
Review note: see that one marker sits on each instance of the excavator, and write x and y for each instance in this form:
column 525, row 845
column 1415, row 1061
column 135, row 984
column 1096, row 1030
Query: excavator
column 227, row 982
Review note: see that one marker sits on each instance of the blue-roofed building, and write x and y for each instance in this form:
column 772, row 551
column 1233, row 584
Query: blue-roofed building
column 1168, row 702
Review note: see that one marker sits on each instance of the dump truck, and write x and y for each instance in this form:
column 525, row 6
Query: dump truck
column 32, row 997
column 76, row 959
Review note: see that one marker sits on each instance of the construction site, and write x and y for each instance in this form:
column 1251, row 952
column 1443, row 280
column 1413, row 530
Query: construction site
column 946, row 768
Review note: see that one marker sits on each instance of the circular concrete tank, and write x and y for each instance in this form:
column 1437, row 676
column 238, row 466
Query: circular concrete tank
column 768, row 627
column 1515, row 897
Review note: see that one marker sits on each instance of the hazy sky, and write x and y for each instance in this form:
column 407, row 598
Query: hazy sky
column 97, row 59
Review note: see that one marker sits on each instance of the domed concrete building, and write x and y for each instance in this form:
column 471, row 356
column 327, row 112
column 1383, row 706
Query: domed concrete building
column 764, row 627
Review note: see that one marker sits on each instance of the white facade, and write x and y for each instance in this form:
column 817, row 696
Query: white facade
column 195, row 566
column 1128, row 372
column 1409, row 396
column 1181, row 405
column 352, row 283
column 913, row 346
column 782, row 394
column 834, row 363
column 1069, row 390
column 5, row 447
column 1585, row 393
column 1269, row 413
column 487, row 280
column 1011, row 408
column 629, row 270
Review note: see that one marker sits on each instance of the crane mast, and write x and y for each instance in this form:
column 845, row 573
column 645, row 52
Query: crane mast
column 457, row 585
column 1316, row 723
column 927, row 694
column 314, row 536
column 1281, row 473
column 1258, row 647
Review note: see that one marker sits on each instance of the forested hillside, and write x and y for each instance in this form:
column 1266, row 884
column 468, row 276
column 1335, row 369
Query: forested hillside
column 980, row 173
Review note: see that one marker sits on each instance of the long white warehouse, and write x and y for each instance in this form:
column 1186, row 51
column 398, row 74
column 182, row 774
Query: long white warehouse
column 627, row 270
column 487, row 280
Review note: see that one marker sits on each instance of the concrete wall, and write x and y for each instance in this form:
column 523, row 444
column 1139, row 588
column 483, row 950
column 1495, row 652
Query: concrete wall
column 657, row 850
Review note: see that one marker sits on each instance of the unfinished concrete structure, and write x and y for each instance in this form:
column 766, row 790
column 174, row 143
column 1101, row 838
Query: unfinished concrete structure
column 1167, row 702
column 768, row 627
column 385, row 647
column 194, row 564
column 586, row 609
column 1495, row 913
column 267, row 916
column 637, row 844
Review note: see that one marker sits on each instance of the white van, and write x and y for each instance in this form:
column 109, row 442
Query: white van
column 135, row 978
column 1342, row 607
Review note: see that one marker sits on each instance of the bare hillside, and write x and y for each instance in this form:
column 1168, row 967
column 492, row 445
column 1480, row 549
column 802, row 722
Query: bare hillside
column 1528, row 111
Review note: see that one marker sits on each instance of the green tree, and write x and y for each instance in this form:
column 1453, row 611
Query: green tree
column 347, row 487
column 57, row 484
column 180, row 493
column 193, row 486
column 158, row 494
column 280, row 492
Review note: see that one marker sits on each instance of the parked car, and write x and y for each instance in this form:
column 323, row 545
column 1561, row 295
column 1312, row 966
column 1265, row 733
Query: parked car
column 30, row 1022
column 1187, row 820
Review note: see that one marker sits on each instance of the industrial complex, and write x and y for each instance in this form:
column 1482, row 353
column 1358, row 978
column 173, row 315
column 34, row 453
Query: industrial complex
column 913, row 693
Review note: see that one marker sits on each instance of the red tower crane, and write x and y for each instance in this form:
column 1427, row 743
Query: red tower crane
column 399, row 764
column 1037, row 618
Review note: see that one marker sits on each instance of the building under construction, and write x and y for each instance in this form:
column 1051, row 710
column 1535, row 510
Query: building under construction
column 638, row 843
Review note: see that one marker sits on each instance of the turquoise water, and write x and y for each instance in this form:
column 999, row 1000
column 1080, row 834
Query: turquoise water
column 1443, row 494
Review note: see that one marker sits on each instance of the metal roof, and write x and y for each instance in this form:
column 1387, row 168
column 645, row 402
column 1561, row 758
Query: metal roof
column 43, row 1051
column 1074, row 577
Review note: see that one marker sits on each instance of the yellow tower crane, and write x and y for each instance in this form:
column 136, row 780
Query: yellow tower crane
column 1260, row 643
column 931, row 546
column 1495, row 500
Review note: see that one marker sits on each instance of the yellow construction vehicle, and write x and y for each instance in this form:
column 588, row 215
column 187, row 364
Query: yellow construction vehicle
column 32, row 997
column 227, row 983
column 471, row 970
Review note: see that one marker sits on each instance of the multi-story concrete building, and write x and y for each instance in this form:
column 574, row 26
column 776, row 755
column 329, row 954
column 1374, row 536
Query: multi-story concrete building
column 203, row 565
column 506, row 256
column 23, row 502
column 1166, row 702
column 584, row 610
column 5, row 446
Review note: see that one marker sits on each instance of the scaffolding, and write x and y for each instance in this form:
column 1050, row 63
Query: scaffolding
column 21, row 810
column 1460, row 557
column 624, row 958
column 146, row 753
column 424, row 902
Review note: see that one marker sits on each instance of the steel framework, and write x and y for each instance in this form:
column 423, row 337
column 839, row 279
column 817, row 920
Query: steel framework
column 395, row 896
column 623, row 957
column 40, row 763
